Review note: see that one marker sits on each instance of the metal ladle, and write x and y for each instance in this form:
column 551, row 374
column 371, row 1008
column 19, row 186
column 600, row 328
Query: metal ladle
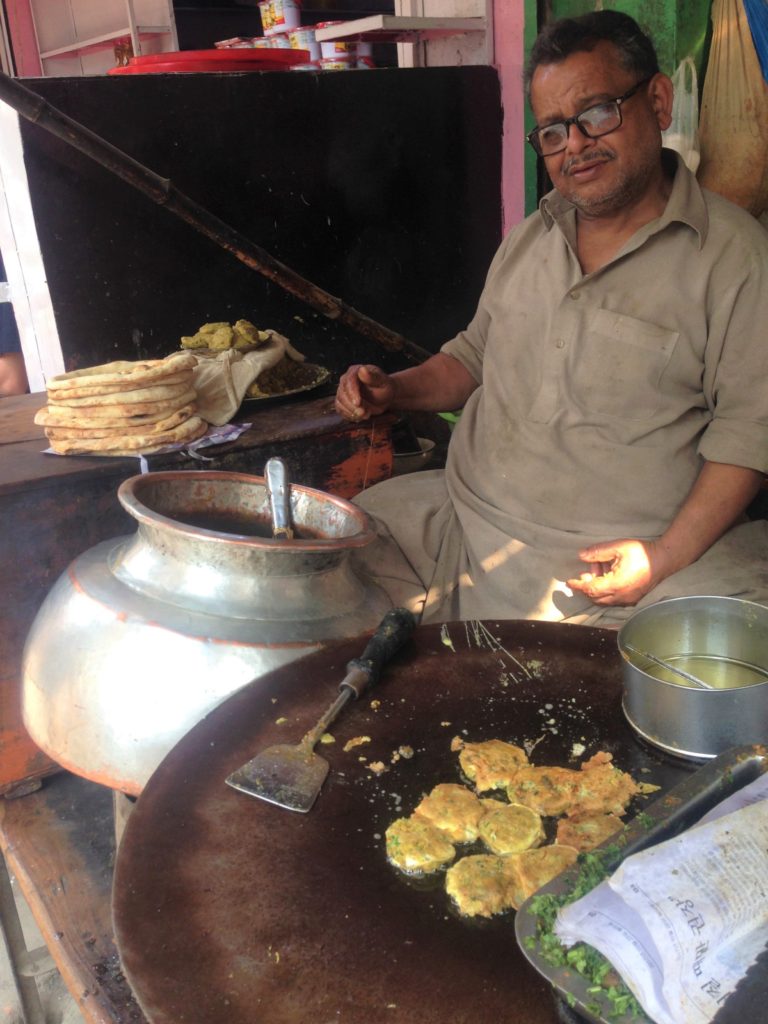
column 694, row 680
column 279, row 491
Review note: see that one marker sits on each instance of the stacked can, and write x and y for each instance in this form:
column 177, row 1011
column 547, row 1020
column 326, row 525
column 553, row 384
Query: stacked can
column 303, row 38
column 236, row 43
column 343, row 54
column 278, row 16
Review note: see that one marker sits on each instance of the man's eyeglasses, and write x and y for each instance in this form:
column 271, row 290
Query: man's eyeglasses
column 593, row 122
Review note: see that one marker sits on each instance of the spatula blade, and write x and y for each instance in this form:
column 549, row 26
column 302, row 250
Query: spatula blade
column 289, row 776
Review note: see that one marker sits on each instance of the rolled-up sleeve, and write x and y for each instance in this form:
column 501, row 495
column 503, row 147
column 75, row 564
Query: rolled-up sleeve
column 736, row 361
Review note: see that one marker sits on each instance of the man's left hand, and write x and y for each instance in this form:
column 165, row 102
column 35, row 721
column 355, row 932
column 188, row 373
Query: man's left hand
column 622, row 571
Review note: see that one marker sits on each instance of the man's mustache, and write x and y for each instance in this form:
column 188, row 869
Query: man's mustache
column 577, row 161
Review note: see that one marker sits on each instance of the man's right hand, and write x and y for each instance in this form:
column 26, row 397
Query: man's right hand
column 364, row 391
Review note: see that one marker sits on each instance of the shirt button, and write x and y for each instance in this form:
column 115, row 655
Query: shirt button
column 559, row 343
column 575, row 295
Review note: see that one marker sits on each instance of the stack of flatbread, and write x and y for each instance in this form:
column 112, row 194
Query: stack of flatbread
column 123, row 408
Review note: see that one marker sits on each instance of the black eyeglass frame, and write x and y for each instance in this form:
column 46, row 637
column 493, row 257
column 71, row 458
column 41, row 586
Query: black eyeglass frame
column 532, row 136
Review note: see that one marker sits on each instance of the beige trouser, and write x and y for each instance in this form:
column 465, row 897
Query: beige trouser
column 408, row 560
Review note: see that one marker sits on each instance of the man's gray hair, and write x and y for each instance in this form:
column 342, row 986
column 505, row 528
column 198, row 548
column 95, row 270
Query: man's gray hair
column 566, row 36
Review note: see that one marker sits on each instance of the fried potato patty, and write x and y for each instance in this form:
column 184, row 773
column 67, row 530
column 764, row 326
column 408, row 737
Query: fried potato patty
column 510, row 828
column 479, row 885
column 454, row 809
column 602, row 787
column 491, row 764
column 416, row 847
column 548, row 791
column 528, row 871
column 586, row 831
column 598, row 787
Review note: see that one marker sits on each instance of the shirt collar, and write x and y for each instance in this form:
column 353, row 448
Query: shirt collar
column 685, row 204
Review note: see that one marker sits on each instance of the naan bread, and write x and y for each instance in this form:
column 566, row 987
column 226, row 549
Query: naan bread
column 130, row 443
column 65, row 433
column 114, row 415
column 154, row 393
column 90, row 390
column 128, row 374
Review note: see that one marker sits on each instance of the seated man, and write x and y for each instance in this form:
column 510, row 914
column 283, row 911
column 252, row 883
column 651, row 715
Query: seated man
column 13, row 374
column 615, row 413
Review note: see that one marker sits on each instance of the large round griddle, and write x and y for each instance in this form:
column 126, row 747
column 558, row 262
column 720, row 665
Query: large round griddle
column 229, row 910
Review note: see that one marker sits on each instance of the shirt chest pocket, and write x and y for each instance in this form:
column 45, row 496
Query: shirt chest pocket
column 619, row 364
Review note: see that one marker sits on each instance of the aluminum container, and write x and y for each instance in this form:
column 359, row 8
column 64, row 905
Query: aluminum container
column 143, row 635
column 721, row 640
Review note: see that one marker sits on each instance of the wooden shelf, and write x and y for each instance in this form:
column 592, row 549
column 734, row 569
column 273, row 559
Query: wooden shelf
column 99, row 42
column 391, row 28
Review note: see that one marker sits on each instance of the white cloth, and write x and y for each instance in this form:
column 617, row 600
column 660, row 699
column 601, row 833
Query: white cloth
column 221, row 380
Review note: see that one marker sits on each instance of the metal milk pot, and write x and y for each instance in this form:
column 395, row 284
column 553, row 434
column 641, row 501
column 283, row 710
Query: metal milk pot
column 144, row 634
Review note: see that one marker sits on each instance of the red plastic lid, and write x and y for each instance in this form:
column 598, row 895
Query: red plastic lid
column 198, row 66
column 237, row 55
column 261, row 59
column 327, row 24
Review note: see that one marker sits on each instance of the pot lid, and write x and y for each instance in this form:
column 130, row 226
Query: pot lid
column 234, row 59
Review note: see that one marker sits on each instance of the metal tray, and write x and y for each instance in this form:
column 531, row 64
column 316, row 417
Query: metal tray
column 322, row 376
column 665, row 818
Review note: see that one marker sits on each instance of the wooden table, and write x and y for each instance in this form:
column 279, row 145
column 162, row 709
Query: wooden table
column 59, row 843
column 54, row 507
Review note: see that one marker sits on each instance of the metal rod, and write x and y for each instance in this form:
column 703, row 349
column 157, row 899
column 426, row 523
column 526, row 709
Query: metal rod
column 163, row 192
column 671, row 668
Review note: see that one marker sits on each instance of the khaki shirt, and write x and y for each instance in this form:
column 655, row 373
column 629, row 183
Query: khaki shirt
column 602, row 393
column 600, row 397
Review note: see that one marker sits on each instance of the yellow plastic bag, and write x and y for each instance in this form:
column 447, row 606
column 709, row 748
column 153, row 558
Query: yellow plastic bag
column 733, row 127
column 683, row 134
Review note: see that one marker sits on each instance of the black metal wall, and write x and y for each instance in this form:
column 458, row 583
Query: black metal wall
column 381, row 186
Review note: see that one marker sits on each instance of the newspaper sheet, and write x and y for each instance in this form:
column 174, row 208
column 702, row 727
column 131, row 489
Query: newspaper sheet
column 683, row 921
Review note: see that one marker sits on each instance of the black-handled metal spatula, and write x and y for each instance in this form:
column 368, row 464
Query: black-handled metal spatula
column 292, row 776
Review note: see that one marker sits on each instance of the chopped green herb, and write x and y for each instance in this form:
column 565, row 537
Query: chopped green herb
column 593, row 868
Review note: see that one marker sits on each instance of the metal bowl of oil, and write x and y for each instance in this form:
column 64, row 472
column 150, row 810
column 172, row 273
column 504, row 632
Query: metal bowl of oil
column 720, row 641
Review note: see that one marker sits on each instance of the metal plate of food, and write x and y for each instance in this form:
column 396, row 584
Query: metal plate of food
column 233, row 911
column 669, row 816
column 300, row 377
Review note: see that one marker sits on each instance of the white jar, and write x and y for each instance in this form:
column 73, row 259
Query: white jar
column 336, row 47
column 338, row 63
column 280, row 41
column 286, row 14
column 304, row 39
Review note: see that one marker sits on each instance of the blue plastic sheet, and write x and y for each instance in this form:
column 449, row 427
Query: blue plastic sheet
column 757, row 16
